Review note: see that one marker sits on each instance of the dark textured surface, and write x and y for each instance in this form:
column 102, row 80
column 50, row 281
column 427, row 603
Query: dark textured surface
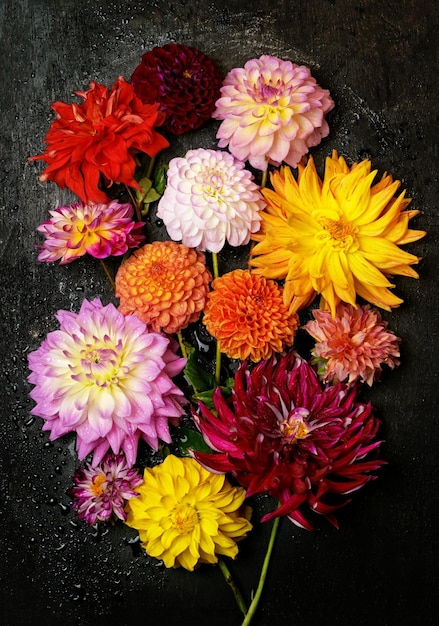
column 380, row 62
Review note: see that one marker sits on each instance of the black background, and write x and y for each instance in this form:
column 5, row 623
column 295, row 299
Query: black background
column 380, row 62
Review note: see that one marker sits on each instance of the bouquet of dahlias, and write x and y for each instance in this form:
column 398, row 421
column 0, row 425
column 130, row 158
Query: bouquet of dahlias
column 266, row 417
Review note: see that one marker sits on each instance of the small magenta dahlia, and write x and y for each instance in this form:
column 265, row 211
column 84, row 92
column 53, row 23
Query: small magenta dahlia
column 183, row 81
column 271, row 111
column 210, row 199
column 101, row 492
column 101, row 230
column 106, row 377
column 282, row 433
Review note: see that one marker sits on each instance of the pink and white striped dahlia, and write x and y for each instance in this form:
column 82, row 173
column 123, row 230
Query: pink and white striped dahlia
column 271, row 111
column 100, row 492
column 106, row 377
column 282, row 433
column 101, row 230
column 210, row 199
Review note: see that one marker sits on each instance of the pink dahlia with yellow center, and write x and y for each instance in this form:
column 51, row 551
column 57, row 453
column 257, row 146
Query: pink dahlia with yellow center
column 283, row 433
column 165, row 284
column 247, row 316
column 271, row 111
column 101, row 230
column 210, row 199
column 106, row 377
column 100, row 492
column 352, row 346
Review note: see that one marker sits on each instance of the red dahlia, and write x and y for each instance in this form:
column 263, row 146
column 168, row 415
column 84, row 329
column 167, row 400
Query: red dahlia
column 93, row 144
column 183, row 81
column 282, row 433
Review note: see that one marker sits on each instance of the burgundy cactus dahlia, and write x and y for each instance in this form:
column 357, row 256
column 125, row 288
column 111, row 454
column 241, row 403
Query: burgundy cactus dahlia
column 282, row 433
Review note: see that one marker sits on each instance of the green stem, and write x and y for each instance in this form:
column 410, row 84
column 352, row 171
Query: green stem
column 182, row 346
column 264, row 178
column 108, row 275
column 215, row 265
column 230, row 581
column 148, row 175
column 254, row 604
column 218, row 351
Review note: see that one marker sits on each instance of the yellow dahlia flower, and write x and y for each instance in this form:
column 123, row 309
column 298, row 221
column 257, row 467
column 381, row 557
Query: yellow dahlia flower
column 337, row 237
column 186, row 515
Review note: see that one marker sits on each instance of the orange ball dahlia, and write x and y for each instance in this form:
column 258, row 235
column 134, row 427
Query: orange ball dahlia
column 246, row 314
column 165, row 284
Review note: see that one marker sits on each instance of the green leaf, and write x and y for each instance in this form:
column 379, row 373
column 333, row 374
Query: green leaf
column 151, row 196
column 206, row 397
column 160, row 178
column 188, row 439
column 199, row 378
column 146, row 185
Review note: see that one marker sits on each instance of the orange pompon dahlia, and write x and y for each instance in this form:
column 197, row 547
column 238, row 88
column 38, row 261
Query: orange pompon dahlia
column 338, row 237
column 165, row 284
column 247, row 316
column 93, row 144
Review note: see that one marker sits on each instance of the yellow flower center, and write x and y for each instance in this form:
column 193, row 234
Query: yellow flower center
column 339, row 234
column 295, row 427
column 100, row 365
column 187, row 74
column 184, row 518
column 96, row 487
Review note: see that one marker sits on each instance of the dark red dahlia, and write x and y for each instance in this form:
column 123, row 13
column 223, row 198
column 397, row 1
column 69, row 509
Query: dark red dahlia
column 281, row 432
column 183, row 81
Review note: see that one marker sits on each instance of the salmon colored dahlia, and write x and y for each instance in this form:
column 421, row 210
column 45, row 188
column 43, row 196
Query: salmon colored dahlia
column 94, row 144
column 271, row 111
column 100, row 230
column 338, row 237
column 164, row 284
column 352, row 346
column 247, row 316
column 186, row 515
column 283, row 433
column 183, row 81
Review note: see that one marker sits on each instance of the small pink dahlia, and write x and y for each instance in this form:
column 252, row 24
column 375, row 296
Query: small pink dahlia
column 101, row 230
column 101, row 492
column 210, row 199
column 183, row 81
column 353, row 345
column 272, row 111
column 106, row 377
column 282, row 433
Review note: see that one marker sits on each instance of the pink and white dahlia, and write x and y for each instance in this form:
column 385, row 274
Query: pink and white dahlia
column 101, row 230
column 272, row 111
column 210, row 199
column 283, row 433
column 106, row 377
column 353, row 345
column 101, row 492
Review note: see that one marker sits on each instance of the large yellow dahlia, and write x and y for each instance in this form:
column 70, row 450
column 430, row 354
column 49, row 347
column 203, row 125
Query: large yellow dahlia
column 337, row 237
column 186, row 515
